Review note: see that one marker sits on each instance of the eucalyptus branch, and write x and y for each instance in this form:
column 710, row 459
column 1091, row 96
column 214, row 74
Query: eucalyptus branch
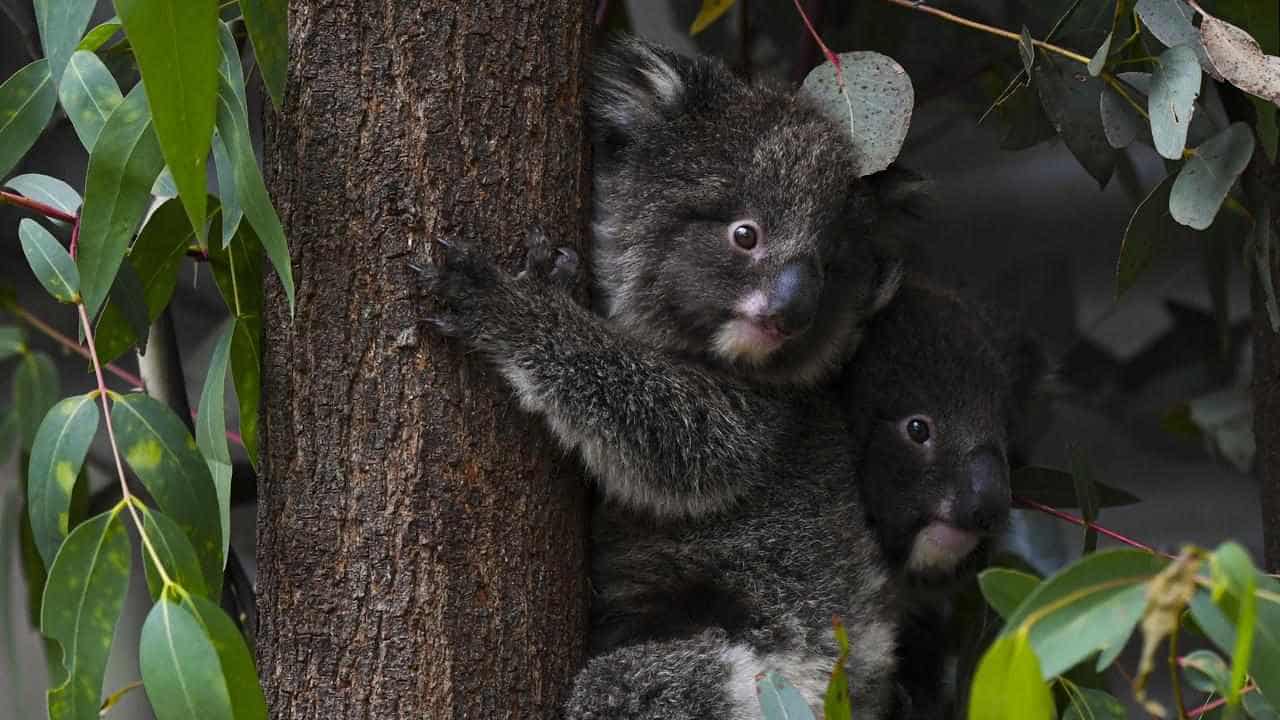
column 45, row 329
column 23, row 201
column 1068, row 517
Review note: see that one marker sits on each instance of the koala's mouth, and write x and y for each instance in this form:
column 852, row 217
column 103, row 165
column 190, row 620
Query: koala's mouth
column 743, row 338
column 941, row 546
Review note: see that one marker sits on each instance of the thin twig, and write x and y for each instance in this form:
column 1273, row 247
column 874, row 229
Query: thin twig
column 66, row 342
column 1215, row 704
column 50, row 211
column 975, row 25
column 1068, row 517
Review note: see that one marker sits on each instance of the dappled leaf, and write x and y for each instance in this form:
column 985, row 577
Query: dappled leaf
column 177, row 557
column 84, row 595
column 49, row 261
column 710, row 11
column 268, row 24
column 26, row 103
column 1070, row 100
column 1107, row 571
column 1089, row 704
column 1005, row 589
column 1208, row 175
column 176, row 46
column 61, row 22
column 237, row 270
column 48, row 190
column 57, row 455
column 99, row 35
column 1101, row 619
column 163, row 454
column 1175, row 85
column 180, row 668
column 35, row 389
column 233, row 656
column 875, row 106
column 122, row 166
column 232, row 73
column 1239, row 59
column 779, row 700
column 1170, row 22
column 211, row 429
column 88, row 93
column 1008, row 684
column 1056, row 488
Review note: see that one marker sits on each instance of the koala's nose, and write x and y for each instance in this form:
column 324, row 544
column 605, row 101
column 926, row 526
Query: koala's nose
column 793, row 299
column 983, row 502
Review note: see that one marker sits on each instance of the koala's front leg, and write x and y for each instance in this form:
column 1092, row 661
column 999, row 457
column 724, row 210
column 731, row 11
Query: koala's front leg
column 655, row 432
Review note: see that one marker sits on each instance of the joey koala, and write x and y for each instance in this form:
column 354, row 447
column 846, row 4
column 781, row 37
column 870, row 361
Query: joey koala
column 736, row 256
column 936, row 396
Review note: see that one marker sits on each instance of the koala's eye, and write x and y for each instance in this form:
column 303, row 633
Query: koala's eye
column 745, row 234
column 919, row 429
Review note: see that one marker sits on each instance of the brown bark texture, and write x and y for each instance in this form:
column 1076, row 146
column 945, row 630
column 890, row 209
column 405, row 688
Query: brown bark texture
column 421, row 541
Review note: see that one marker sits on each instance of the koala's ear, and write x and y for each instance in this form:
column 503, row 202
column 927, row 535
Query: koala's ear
column 634, row 84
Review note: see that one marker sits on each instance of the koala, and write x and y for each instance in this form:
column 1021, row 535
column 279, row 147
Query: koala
column 736, row 256
column 937, row 396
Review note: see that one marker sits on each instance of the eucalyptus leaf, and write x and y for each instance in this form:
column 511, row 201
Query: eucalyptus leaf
column 1070, row 98
column 89, row 94
column 122, row 166
column 1175, row 85
column 1056, row 488
column 99, row 35
column 177, row 557
column 268, row 24
column 211, row 429
column 1005, row 589
column 1208, row 175
column 26, row 104
column 1150, row 231
column 176, row 46
column 61, row 23
column 1170, row 22
column 1026, row 49
column 1008, row 684
column 1120, row 120
column 180, row 667
column 874, row 106
column 1098, row 62
column 237, row 270
column 233, row 656
column 57, row 455
column 1205, row 671
column 82, row 601
column 12, row 341
column 1089, row 704
column 35, row 389
column 49, row 261
column 710, row 11
column 1239, row 59
column 1100, row 573
column 779, row 700
column 48, row 190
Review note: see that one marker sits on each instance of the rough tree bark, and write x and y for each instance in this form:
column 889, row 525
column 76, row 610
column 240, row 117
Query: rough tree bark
column 421, row 541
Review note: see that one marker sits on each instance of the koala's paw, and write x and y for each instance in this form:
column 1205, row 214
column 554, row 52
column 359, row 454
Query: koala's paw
column 460, row 285
column 557, row 266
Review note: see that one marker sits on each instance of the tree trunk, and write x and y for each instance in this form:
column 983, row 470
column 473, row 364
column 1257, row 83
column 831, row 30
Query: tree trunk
column 421, row 542
column 1262, row 183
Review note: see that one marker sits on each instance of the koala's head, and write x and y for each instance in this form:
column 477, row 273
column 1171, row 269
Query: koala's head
column 936, row 395
column 729, row 222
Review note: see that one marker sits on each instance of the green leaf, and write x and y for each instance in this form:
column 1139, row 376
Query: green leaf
column 156, row 257
column 89, row 94
column 1219, row 618
column 233, row 656
column 82, row 601
column 211, row 429
column 180, row 668
column 163, row 455
column 1098, row 62
column 35, row 389
column 1090, row 704
column 61, row 22
column 164, row 186
column 8, row 434
column 1208, row 175
column 1086, row 496
column 1175, row 85
column 233, row 127
column 877, row 115
column 128, row 301
column 237, row 270
column 177, row 557
column 57, row 455
column 48, row 190
column 1205, row 671
column 1006, row 589
column 1071, row 98
column 710, row 11
column 1232, row 569
column 268, row 24
column 122, row 166
column 1258, row 708
column 779, row 700
column 99, row 35
column 232, row 213
column 1151, row 230
column 837, row 704
column 26, row 104
column 1170, row 22
column 176, row 45
column 50, row 262
column 1008, row 684
column 1056, row 488
column 12, row 341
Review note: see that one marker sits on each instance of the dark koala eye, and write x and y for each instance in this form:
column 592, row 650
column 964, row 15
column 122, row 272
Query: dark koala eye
column 919, row 430
column 745, row 234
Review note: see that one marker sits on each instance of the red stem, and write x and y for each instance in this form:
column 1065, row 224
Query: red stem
column 26, row 202
column 826, row 51
column 1068, row 517
column 1215, row 704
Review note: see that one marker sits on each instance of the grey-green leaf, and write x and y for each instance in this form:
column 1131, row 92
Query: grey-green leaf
column 1207, row 176
column 268, row 24
column 1175, row 85
column 50, row 262
column 1090, row 704
column 234, row 656
column 237, row 270
column 1205, row 671
column 12, row 341
column 1120, row 120
column 177, row 557
column 89, row 94
column 1150, row 231
column 99, row 35
column 180, row 668
column 1005, row 589
column 163, row 455
column 57, row 455
column 26, row 103
column 779, row 700
column 1070, row 98
column 1170, row 22
column 122, row 167
column 211, row 429
column 82, row 601
column 48, row 190
column 1099, row 60
column 61, row 23
column 1027, row 49
column 35, row 389
column 874, row 107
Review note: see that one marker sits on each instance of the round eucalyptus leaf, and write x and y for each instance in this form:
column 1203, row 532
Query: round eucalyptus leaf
column 1240, row 60
column 1175, row 85
column 1120, row 120
column 875, row 105
column 1207, row 177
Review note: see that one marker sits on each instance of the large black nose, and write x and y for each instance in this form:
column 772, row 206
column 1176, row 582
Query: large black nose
column 983, row 501
column 793, row 299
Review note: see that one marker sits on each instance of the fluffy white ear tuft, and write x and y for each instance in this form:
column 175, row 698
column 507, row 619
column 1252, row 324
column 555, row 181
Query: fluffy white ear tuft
column 633, row 81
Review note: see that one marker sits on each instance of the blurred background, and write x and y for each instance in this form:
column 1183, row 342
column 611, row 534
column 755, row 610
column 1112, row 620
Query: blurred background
column 1146, row 393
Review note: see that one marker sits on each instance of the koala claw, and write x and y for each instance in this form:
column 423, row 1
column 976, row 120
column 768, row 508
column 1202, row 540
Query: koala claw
column 545, row 263
column 565, row 271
